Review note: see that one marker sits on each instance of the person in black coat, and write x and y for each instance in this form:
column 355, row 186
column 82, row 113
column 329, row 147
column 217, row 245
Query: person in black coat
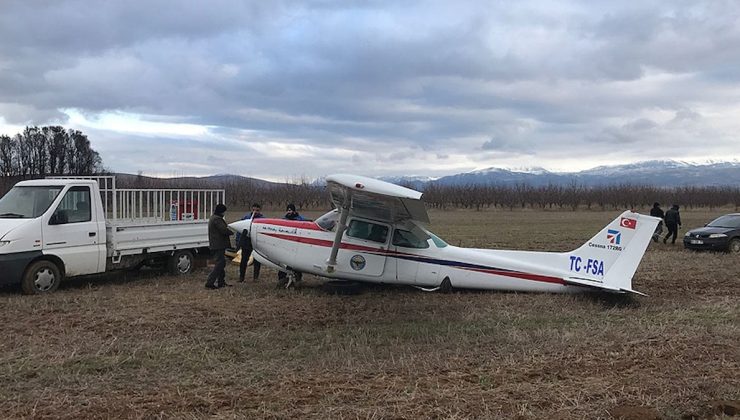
column 672, row 222
column 656, row 211
column 218, row 241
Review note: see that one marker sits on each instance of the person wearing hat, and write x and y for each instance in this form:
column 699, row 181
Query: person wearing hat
column 672, row 222
column 656, row 211
column 218, row 241
column 291, row 213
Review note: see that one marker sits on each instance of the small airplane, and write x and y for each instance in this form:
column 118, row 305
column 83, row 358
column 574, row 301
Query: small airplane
column 377, row 233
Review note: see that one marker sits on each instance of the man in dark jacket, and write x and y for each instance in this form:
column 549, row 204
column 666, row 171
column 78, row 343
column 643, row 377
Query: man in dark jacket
column 656, row 211
column 218, row 241
column 290, row 214
column 672, row 222
column 244, row 242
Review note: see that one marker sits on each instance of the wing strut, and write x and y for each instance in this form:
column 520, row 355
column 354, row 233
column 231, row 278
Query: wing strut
column 341, row 226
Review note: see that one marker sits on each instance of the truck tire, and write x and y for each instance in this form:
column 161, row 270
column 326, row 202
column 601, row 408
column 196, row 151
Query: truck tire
column 42, row 276
column 180, row 263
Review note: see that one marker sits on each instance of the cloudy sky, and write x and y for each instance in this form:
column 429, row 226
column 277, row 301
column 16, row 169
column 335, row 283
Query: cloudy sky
column 282, row 89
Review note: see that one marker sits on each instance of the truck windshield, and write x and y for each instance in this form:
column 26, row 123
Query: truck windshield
column 27, row 202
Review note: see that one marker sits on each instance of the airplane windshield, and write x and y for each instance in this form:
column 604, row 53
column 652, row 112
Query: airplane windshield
column 328, row 221
column 436, row 239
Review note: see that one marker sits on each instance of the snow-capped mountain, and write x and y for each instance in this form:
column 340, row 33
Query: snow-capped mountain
column 669, row 173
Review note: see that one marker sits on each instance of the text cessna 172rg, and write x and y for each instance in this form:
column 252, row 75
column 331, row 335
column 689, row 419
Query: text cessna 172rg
column 377, row 233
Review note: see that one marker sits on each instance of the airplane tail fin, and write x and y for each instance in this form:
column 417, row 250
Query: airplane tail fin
column 609, row 260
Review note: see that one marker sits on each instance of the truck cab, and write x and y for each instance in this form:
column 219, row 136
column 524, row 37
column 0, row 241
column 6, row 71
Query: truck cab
column 55, row 226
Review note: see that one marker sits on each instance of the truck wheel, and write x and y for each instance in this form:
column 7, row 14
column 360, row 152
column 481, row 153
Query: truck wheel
column 41, row 277
column 180, row 263
column 734, row 246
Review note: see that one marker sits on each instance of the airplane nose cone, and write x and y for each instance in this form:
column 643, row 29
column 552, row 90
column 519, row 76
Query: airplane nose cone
column 240, row 225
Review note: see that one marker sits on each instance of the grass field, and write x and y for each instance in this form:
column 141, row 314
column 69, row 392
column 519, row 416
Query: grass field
column 139, row 345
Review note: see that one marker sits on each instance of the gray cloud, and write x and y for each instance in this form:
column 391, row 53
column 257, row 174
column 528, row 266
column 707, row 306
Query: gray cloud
column 431, row 82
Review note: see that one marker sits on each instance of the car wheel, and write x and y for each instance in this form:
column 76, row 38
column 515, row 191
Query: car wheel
column 41, row 277
column 734, row 246
column 180, row 263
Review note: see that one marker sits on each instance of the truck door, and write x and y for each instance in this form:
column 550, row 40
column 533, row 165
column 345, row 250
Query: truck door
column 71, row 232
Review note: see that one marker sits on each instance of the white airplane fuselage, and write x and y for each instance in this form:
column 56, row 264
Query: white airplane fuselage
column 303, row 246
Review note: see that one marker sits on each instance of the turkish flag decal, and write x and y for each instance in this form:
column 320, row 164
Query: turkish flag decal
column 628, row 223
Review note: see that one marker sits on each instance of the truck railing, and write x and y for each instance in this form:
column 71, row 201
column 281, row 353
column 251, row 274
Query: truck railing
column 154, row 205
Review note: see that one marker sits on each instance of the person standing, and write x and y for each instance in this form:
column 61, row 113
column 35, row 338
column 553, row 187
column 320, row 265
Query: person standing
column 672, row 222
column 245, row 243
column 656, row 211
column 218, row 241
column 290, row 214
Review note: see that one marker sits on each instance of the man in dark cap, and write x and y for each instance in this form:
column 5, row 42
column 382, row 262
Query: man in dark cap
column 291, row 213
column 218, row 241
column 656, row 211
column 672, row 222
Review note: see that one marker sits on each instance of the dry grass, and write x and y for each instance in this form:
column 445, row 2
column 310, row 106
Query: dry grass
column 144, row 346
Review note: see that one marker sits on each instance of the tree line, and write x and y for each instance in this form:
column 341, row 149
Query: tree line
column 54, row 150
column 51, row 150
column 242, row 192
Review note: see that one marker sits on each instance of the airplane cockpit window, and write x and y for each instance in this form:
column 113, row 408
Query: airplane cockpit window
column 368, row 231
column 407, row 239
column 328, row 221
column 437, row 240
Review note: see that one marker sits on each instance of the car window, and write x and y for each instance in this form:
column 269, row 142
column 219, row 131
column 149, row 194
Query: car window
column 368, row 231
column 74, row 207
column 726, row 221
column 407, row 239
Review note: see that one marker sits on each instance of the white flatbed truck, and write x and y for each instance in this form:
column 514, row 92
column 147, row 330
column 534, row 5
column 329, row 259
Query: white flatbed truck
column 62, row 227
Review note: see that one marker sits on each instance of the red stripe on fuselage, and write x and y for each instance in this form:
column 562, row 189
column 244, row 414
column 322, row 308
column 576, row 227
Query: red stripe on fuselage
column 322, row 242
column 493, row 271
column 300, row 224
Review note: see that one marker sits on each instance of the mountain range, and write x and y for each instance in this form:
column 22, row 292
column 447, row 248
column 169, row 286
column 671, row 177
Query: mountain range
column 668, row 173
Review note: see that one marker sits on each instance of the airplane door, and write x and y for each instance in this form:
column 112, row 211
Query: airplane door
column 72, row 233
column 413, row 257
column 364, row 248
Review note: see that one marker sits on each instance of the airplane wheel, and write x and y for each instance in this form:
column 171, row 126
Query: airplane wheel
column 446, row 285
column 341, row 287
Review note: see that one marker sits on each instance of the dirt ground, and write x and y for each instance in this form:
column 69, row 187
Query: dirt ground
column 141, row 345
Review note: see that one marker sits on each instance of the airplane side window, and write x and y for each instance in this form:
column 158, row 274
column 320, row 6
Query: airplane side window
column 406, row 239
column 367, row 231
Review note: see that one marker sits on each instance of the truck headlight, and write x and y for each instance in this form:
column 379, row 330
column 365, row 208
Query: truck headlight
column 3, row 243
column 718, row 235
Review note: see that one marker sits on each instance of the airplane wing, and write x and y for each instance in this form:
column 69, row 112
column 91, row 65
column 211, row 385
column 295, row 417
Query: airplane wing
column 375, row 199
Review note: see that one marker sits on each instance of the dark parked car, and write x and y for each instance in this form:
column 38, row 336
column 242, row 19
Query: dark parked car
column 721, row 234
